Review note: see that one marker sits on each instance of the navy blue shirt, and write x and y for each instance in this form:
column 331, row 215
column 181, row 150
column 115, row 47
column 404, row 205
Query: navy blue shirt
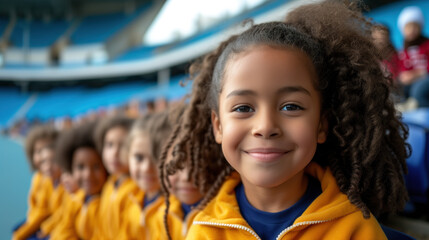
column 146, row 201
column 187, row 208
column 269, row 225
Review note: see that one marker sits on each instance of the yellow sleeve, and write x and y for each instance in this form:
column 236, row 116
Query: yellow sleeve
column 131, row 228
column 87, row 217
column 65, row 229
column 36, row 185
column 175, row 223
column 58, row 208
column 101, row 223
column 39, row 200
column 112, row 205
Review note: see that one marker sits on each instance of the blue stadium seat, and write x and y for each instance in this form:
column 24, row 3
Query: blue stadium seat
column 417, row 179
column 419, row 116
column 11, row 100
column 3, row 24
column 41, row 34
column 393, row 234
column 93, row 29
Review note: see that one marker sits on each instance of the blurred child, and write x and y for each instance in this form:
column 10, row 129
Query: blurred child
column 78, row 155
column 38, row 140
column 143, row 149
column 414, row 58
column 176, row 216
column 109, row 136
column 49, row 225
column 301, row 112
column 390, row 61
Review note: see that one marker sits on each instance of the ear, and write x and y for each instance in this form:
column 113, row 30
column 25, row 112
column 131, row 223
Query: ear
column 323, row 129
column 217, row 127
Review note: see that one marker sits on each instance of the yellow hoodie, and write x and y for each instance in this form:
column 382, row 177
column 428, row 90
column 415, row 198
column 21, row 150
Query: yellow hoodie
column 177, row 226
column 137, row 220
column 39, row 199
column 56, row 206
column 112, row 204
column 78, row 219
column 330, row 216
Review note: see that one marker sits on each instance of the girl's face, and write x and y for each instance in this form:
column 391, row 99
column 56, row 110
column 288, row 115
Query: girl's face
column 68, row 182
column 184, row 189
column 269, row 121
column 47, row 165
column 111, row 150
column 88, row 170
column 411, row 31
column 39, row 145
column 143, row 169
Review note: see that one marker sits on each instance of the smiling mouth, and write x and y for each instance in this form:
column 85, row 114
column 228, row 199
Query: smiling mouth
column 266, row 154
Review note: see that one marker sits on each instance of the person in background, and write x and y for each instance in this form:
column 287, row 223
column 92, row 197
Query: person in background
column 109, row 136
column 39, row 140
column 414, row 58
column 142, row 149
column 77, row 154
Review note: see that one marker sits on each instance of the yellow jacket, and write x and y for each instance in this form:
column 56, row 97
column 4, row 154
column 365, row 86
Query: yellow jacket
column 39, row 209
column 56, row 206
column 53, row 223
column 178, row 227
column 330, row 216
column 112, row 205
column 79, row 218
column 137, row 220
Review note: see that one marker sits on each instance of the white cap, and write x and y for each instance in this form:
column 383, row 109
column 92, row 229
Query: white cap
column 410, row 14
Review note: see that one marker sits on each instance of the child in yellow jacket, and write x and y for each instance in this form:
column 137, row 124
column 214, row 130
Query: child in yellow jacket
column 175, row 217
column 37, row 142
column 143, row 148
column 78, row 155
column 70, row 188
column 109, row 136
column 301, row 132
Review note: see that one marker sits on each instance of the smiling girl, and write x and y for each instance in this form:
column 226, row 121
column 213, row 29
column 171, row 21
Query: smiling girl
column 312, row 146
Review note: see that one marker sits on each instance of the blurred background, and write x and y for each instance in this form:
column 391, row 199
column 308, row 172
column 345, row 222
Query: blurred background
column 68, row 61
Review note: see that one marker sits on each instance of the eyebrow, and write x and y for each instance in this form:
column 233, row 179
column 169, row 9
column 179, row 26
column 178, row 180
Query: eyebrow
column 288, row 89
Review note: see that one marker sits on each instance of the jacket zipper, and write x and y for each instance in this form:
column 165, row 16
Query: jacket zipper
column 300, row 224
column 236, row 226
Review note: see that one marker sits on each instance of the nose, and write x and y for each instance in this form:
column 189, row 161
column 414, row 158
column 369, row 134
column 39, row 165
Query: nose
column 266, row 124
column 147, row 165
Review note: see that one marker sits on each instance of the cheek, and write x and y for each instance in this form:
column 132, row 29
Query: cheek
column 173, row 181
column 107, row 154
column 77, row 176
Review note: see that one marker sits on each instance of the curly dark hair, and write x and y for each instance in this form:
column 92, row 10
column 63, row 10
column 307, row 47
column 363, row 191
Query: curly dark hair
column 365, row 146
column 108, row 123
column 71, row 140
column 40, row 132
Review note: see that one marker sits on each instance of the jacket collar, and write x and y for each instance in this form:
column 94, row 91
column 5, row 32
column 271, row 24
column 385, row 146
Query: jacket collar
column 329, row 205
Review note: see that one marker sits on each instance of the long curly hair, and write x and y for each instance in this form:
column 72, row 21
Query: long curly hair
column 365, row 147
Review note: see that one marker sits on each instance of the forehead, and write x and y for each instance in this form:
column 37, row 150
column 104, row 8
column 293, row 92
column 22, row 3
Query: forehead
column 85, row 155
column 270, row 62
column 116, row 131
column 140, row 139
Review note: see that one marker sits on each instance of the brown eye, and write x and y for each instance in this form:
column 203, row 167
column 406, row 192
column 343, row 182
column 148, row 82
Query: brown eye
column 139, row 157
column 243, row 109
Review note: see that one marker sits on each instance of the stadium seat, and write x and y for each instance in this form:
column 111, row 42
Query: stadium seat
column 417, row 179
column 419, row 116
column 393, row 234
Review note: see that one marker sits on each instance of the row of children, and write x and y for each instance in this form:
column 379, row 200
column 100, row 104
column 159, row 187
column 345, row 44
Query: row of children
column 289, row 133
column 100, row 181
